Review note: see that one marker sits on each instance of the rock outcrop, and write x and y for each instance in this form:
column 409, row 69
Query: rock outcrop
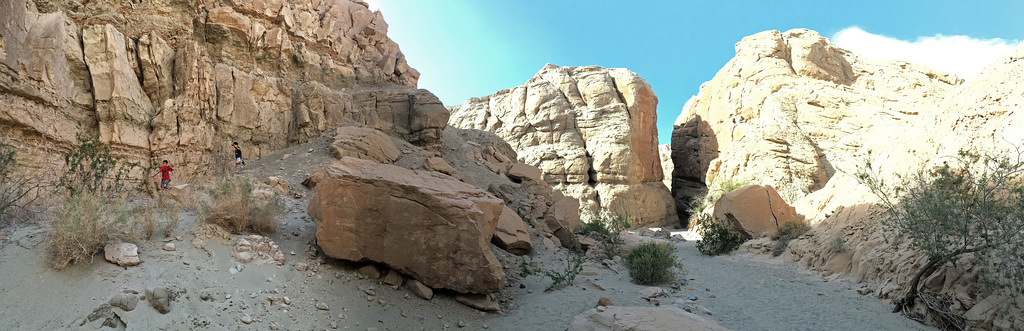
column 642, row 318
column 590, row 130
column 182, row 80
column 791, row 109
column 431, row 227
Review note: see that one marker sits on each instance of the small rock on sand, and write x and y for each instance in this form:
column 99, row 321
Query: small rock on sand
column 159, row 298
column 169, row 247
column 122, row 254
column 420, row 290
column 246, row 319
column 126, row 302
column 322, row 306
column 478, row 301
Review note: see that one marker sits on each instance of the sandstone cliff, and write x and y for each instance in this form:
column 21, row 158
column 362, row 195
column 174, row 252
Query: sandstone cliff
column 181, row 80
column 793, row 111
column 590, row 130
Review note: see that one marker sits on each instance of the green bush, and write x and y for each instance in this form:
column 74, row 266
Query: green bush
column 606, row 229
column 716, row 238
column 90, row 168
column 972, row 205
column 651, row 263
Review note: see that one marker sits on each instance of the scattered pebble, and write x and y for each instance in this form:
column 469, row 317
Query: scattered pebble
column 246, row 319
column 322, row 306
column 169, row 247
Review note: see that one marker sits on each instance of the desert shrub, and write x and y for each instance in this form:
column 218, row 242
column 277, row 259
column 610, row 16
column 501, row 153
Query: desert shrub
column 171, row 212
column 704, row 202
column 146, row 218
column 837, row 245
column 82, row 225
column 652, row 263
column 235, row 209
column 574, row 264
column 971, row 205
column 90, row 167
column 788, row 231
column 605, row 228
column 716, row 238
column 16, row 192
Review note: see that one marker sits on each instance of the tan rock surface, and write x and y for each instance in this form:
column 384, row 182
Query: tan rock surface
column 431, row 227
column 590, row 130
column 791, row 109
column 642, row 319
column 511, row 234
column 754, row 210
column 364, row 143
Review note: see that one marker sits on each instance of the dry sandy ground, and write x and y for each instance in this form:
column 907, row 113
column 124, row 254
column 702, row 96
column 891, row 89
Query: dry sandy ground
column 741, row 292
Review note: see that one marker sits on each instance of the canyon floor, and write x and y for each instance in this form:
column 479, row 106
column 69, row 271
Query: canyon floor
column 742, row 292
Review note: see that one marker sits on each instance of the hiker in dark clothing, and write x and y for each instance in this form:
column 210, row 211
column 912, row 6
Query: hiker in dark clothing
column 238, row 156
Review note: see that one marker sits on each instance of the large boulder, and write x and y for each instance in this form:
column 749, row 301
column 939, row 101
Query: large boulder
column 364, row 143
column 431, row 227
column 642, row 319
column 753, row 210
column 590, row 130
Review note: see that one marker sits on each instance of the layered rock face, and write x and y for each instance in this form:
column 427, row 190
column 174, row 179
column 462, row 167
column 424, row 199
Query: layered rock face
column 590, row 130
column 182, row 80
column 791, row 109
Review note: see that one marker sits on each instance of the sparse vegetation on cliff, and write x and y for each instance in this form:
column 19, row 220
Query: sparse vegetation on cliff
column 788, row 231
column 972, row 205
column 91, row 167
column 606, row 228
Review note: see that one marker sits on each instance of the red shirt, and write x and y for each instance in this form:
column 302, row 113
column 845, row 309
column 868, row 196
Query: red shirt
column 165, row 172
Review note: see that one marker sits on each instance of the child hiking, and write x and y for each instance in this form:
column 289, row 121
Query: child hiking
column 238, row 156
column 165, row 175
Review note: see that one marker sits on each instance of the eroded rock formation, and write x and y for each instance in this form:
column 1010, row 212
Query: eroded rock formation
column 590, row 130
column 182, row 80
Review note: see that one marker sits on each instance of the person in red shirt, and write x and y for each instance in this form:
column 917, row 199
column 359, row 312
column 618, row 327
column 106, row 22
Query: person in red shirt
column 165, row 175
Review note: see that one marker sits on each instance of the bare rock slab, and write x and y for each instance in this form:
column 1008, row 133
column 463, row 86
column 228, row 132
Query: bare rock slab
column 479, row 301
column 122, row 254
column 642, row 318
column 753, row 210
column 431, row 227
column 511, row 234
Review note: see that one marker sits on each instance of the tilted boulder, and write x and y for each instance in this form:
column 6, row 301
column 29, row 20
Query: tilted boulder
column 510, row 234
column 364, row 143
column 590, row 130
column 753, row 210
column 429, row 226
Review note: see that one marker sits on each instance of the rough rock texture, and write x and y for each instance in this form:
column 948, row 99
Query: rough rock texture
column 122, row 254
column 257, row 249
column 511, row 234
column 759, row 119
column 791, row 109
column 181, row 80
column 753, row 210
column 642, row 319
column 429, row 226
column 590, row 130
column 665, row 153
column 364, row 143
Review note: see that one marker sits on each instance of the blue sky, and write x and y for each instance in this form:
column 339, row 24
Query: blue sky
column 472, row 48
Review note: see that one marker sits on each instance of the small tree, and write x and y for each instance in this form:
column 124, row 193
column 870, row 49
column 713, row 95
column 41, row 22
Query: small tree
column 16, row 192
column 90, row 167
column 971, row 206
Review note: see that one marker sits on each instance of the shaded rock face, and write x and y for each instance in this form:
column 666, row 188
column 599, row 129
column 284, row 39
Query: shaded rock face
column 429, row 226
column 590, row 130
column 791, row 109
column 182, row 80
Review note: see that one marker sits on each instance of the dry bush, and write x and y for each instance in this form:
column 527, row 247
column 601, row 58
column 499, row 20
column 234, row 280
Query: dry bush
column 147, row 217
column 788, row 231
column 82, row 225
column 235, row 209
column 171, row 212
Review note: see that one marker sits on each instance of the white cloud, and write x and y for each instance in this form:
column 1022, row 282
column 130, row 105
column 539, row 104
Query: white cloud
column 961, row 55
